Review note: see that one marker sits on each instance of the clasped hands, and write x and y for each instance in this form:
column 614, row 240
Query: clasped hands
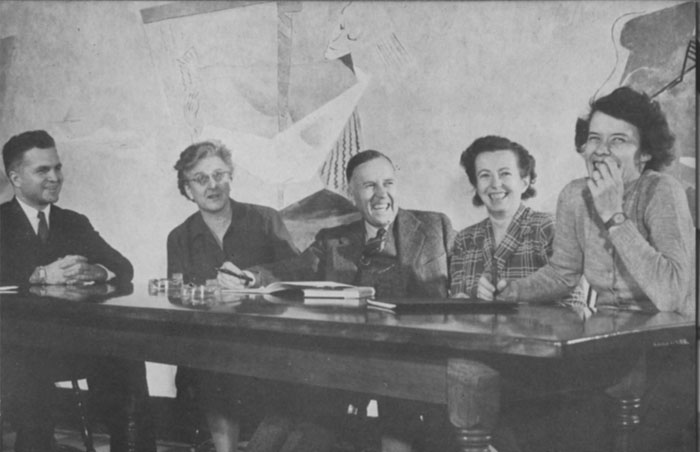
column 70, row 269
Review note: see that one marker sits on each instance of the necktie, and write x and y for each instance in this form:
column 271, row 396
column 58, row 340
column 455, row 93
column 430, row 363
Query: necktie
column 374, row 246
column 43, row 230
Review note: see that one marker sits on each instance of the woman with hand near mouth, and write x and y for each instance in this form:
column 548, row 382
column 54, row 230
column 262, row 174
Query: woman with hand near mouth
column 514, row 240
column 627, row 226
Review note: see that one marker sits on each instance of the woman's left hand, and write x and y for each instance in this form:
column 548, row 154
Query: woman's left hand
column 607, row 188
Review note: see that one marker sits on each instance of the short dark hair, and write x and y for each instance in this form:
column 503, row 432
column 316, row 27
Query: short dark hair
column 363, row 157
column 492, row 143
column 580, row 134
column 638, row 109
column 14, row 149
column 196, row 152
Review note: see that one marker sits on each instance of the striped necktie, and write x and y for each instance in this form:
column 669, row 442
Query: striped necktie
column 374, row 246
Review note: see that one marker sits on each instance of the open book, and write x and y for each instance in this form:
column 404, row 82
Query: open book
column 312, row 289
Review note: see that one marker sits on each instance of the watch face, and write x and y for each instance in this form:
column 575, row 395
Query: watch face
column 619, row 218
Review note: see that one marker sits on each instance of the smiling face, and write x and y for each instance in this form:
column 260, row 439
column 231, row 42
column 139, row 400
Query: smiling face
column 499, row 184
column 211, row 196
column 609, row 137
column 38, row 178
column 374, row 189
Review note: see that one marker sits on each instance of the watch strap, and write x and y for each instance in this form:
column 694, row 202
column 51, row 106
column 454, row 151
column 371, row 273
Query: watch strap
column 617, row 219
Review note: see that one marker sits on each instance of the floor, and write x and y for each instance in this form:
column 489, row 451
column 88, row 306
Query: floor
column 101, row 442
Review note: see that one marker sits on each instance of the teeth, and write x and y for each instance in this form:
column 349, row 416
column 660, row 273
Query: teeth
column 497, row 196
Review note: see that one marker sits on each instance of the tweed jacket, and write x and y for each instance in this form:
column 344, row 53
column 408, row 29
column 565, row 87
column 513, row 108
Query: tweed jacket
column 423, row 241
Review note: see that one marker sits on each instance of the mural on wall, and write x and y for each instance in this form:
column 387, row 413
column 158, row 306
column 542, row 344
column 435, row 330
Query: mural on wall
column 286, row 109
column 8, row 47
column 294, row 154
column 365, row 31
column 664, row 68
column 281, row 111
column 360, row 32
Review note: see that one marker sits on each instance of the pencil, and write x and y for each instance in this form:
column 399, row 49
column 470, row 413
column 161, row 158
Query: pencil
column 242, row 276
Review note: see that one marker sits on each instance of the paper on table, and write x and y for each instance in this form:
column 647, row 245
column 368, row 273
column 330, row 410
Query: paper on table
column 310, row 289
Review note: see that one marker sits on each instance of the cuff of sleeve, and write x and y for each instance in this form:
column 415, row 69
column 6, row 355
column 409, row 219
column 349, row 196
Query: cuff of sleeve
column 623, row 235
column 255, row 278
column 110, row 275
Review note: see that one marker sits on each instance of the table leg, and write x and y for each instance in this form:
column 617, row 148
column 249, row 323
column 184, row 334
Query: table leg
column 473, row 402
column 628, row 403
column 131, row 422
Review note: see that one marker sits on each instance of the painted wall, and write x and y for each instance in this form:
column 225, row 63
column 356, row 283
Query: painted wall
column 442, row 74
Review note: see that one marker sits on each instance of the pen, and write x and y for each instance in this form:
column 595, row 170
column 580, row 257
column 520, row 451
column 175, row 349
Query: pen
column 242, row 276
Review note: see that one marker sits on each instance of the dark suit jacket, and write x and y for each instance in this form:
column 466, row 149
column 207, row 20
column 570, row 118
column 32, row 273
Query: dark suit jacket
column 70, row 233
column 423, row 240
column 256, row 236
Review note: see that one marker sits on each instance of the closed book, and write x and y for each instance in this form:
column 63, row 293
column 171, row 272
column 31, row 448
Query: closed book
column 312, row 290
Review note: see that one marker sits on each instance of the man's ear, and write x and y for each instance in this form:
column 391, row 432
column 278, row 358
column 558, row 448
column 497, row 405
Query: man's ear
column 644, row 158
column 14, row 178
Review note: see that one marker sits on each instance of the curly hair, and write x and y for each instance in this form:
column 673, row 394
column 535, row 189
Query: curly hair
column 492, row 143
column 196, row 152
column 638, row 109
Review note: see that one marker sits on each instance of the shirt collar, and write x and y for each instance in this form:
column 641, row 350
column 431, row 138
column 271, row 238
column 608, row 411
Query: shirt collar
column 371, row 231
column 199, row 227
column 519, row 213
column 32, row 213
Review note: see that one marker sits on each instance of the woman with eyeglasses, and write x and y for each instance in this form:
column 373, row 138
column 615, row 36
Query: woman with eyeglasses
column 222, row 230
column 627, row 226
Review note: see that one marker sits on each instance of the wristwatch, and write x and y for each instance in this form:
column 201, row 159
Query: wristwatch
column 616, row 220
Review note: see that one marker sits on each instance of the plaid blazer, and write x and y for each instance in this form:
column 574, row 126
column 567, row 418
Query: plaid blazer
column 526, row 247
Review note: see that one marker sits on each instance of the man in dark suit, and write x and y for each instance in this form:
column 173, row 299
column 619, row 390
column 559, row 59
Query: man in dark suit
column 401, row 253
column 42, row 244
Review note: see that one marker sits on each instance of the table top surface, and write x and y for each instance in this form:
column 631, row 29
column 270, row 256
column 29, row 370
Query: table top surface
column 530, row 330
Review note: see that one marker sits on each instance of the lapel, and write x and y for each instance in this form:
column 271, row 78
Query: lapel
column 410, row 238
column 350, row 246
column 488, row 249
column 22, row 225
column 56, row 224
column 510, row 242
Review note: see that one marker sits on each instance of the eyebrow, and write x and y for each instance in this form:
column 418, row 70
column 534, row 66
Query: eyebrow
column 48, row 167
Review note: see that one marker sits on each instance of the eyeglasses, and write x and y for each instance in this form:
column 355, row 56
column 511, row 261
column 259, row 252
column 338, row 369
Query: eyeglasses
column 613, row 144
column 204, row 179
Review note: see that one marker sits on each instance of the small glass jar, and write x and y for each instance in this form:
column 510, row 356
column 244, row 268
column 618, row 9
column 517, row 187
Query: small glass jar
column 153, row 286
column 175, row 284
column 187, row 291
column 212, row 290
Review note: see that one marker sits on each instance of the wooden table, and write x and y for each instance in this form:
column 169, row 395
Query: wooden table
column 460, row 359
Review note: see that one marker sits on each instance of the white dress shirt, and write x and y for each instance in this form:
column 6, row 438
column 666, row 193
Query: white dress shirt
column 371, row 231
column 33, row 217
